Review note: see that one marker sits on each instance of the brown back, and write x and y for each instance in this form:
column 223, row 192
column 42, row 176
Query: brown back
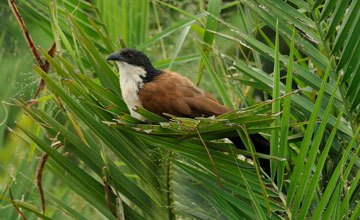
column 177, row 95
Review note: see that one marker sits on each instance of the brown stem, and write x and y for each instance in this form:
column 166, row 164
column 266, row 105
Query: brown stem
column 25, row 31
column 108, row 190
column 45, row 67
column 14, row 204
column 39, row 171
column 41, row 86
column 211, row 159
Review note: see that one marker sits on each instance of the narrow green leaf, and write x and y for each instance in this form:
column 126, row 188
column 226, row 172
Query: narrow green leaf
column 179, row 44
column 24, row 205
column 89, row 83
column 353, row 87
column 301, row 4
column 331, row 208
column 168, row 31
column 180, row 11
column 289, row 14
column 66, row 208
column 336, row 17
column 343, row 32
column 333, row 180
column 314, row 181
column 285, row 117
column 274, row 140
column 215, row 79
column 306, row 174
column 149, row 115
column 105, row 73
column 253, row 84
column 353, row 64
column 318, row 3
column 110, row 14
column 259, row 212
column 356, row 212
column 286, row 32
column 211, row 25
column 299, row 164
column 107, row 42
column 356, row 99
column 345, row 203
column 350, row 43
column 329, row 5
column 354, row 183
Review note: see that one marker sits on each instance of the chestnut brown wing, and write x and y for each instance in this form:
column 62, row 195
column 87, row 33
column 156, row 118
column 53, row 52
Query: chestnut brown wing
column 174, row 94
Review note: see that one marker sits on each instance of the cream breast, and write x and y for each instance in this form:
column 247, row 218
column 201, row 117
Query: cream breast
column 130, row 83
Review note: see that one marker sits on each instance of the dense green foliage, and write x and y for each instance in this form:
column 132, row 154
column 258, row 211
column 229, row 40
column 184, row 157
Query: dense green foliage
column 291, row 68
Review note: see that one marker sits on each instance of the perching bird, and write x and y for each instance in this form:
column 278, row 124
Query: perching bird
column 164, row 91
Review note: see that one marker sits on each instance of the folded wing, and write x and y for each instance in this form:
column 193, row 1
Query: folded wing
column 174, row 94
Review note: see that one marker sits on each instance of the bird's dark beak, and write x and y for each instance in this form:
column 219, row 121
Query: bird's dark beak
column 114, row 56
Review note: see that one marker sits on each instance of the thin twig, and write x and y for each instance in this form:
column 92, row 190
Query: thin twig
column 40, row 168
column 120, row 211
column 211, row 160
column 25, row 31
column 41, row 86
column 13, row 202
column 256, row 164
column 45, row 67
column 108, row 190
column 39, row 172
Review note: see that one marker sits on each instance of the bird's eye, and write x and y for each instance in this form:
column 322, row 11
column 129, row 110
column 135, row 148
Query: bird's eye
column 129, row 55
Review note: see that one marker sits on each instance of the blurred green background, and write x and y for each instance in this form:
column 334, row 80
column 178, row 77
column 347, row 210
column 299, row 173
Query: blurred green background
column 320, row 176
column 16, row 80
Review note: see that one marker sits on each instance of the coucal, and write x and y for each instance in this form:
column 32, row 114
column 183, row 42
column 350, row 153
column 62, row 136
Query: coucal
column 164, row 91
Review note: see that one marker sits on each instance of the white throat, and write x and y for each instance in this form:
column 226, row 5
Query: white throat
column 130, row 82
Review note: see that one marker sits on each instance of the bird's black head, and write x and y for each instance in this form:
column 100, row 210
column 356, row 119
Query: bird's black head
column 131, row 56
column 135, row 58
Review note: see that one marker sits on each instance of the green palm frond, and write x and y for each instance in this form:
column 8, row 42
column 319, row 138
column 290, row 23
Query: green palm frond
column 114, row 165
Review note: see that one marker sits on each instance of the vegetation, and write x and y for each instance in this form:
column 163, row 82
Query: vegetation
column 301, row 58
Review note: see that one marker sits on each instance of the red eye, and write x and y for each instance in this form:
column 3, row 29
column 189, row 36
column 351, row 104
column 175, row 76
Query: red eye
column 129, row 55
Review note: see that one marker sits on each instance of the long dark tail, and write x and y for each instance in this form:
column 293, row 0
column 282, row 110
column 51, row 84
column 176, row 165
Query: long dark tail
column 261, row 145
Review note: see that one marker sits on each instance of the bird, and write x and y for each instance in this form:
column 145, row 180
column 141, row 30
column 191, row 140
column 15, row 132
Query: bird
column 165, row 91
